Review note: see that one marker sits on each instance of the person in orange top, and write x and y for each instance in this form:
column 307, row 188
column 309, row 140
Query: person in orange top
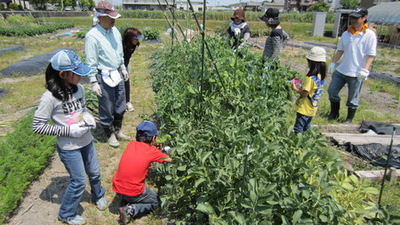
column 128, row 182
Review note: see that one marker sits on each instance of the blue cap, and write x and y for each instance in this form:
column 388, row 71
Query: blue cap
column 146, row 128
column 139, row 37
column 67, row 60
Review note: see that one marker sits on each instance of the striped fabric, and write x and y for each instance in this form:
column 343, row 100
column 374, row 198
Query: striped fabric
column 40, row 126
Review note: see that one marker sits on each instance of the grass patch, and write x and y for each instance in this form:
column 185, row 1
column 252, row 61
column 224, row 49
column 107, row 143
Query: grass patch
column 391, row 194
column 384, row 86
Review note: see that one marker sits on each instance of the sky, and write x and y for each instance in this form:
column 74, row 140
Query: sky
column 222, row 2
column 228, row 2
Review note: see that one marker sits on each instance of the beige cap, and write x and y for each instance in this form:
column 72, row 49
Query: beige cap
column 317, row 54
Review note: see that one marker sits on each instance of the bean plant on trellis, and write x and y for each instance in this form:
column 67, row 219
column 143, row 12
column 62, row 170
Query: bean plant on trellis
column 284, row 178
column 210, row 195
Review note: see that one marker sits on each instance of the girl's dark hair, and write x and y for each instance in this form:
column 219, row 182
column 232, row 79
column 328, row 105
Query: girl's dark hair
column 56, row 85
column 130, row 33
column 144, row 139
column 316, row 68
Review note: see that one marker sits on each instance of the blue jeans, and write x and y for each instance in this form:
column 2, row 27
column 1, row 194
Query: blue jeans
column 143, row 203
column 79, row 163
column 302, row 123
column 112, row 102
column 354, row 87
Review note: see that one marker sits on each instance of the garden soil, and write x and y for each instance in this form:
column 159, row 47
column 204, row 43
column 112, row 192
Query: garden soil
column 42, row 201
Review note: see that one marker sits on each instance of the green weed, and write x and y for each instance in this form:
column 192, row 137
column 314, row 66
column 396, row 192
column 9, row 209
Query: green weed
column 16, row 161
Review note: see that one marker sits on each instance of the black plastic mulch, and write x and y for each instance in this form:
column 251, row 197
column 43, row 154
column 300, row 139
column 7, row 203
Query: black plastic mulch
column 31, row 66
column 16, row 48
column 377, row 153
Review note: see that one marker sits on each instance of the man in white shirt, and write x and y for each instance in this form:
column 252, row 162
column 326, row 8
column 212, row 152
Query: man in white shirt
column 358, row 48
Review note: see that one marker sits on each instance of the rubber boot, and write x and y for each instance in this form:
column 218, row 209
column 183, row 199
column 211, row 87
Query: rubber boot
column 335, row 106
column 112, row 139
column 350, row 115
column 118, row 131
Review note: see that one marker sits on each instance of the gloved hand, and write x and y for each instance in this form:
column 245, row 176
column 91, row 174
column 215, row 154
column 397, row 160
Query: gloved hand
column 89, row 120
column 363, row 74
column 96, row 89
column 166, row 149
column 126, row 74
column 331, row 68
column 78, row 129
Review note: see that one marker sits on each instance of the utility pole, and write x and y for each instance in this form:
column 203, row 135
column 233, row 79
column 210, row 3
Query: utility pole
column 286, row 6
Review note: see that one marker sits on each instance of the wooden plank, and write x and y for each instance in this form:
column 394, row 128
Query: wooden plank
column 342, row 128
column 355, row 139
column 391, row 174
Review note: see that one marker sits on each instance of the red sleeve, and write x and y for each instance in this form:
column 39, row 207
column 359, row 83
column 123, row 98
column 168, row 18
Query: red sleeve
column 157, row 155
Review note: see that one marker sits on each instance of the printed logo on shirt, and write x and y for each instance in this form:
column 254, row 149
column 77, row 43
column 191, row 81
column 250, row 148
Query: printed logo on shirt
column 73, row 106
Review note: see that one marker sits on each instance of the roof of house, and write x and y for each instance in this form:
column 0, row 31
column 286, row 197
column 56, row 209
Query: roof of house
column 385, row 13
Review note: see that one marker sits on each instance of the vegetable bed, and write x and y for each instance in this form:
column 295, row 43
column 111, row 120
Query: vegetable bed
column 237, row 159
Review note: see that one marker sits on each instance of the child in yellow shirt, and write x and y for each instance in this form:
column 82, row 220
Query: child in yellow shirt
column 312, row 89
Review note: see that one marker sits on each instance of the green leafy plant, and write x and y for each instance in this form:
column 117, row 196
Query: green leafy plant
column 19, row 20
column 21, row 162
column 82, row 34
column 150, row 33
column 32, row 30
column 14, row 6
column 237, row 160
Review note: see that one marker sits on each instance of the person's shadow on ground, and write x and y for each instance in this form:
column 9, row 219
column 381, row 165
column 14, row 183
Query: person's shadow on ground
column 54, row 192
column 114, row 204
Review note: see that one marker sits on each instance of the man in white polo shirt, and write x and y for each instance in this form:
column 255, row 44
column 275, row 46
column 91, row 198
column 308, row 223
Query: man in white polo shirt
column 358, row 48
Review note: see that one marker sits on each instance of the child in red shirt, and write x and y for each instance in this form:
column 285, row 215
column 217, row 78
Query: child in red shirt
column 128, row 181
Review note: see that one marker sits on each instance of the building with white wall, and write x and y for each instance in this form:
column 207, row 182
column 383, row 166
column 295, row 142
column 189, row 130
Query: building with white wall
column 161, row 4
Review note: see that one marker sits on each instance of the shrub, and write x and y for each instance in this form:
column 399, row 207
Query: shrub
column 150, row 33
column 19, row 19
column 32, row 30
column 13, row 6
column 82, row 34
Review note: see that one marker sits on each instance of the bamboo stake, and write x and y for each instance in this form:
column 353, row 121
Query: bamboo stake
column 166, row 18
column 386, row 167
column 202, row 28
column 175, row 19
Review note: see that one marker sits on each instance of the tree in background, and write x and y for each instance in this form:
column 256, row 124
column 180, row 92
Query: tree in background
column 41, row 4
column 350, row 4
column 320, row 6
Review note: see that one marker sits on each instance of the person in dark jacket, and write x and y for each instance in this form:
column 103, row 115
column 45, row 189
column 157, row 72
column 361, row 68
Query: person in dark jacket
column 277, row 39
column 238, row 29
column 130, row 41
